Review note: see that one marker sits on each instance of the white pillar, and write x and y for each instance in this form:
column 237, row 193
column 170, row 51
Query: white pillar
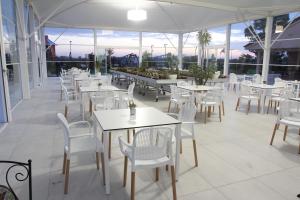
column 199, row 53
column 24, row 75
column 227, row 50
column 43, row 56
column 140, row 48
column 35, row 70
column 180, row 47
column 95, row 50
column 267, row 49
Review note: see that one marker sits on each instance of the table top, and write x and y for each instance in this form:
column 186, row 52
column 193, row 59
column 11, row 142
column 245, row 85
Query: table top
column 120, row 119
column 198, row 87
column 88, row 78
column 265, row 86
column 101, row 88
column 295, row 99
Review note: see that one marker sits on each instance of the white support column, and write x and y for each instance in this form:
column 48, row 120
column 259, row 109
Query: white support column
column 140, row 48
column 227, row 50
column 199, row 54
column 24, row 75
column 95, row 50
column 43, row 60
column 267, row 49
column 180, row 47
column 35, row 70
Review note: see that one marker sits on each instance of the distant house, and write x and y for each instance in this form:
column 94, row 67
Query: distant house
column 50, row 46
column 284, row 52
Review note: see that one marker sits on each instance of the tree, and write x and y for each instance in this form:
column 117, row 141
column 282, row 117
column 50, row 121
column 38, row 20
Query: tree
column 110, row 52
column 204, row 39
column 258, row 27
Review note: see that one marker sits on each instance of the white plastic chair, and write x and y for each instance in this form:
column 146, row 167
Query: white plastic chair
column 256, row 79
column 187, row 115
column 209, row 101
column 71, row 98
column 233, row 81
column 247, row 94
column 72, row 133
column 151, row 148
column 177, row 96
column 289, row 116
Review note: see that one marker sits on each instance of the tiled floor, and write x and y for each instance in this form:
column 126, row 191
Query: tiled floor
column 236, row 161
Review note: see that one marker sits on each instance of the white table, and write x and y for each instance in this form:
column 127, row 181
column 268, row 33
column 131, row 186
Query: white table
column 112, row 120
column 89, row 89
column 198, row 88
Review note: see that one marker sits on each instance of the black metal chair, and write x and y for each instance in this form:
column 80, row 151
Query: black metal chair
column 21, row 172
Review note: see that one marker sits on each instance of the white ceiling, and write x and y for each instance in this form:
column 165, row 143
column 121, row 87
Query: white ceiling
column 173, row 16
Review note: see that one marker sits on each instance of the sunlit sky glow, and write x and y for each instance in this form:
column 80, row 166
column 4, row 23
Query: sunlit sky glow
column 124, row 43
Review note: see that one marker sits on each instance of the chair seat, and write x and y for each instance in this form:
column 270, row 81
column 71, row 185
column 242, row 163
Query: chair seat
column 290, row 121
column 81, row 144
column 250, row 97
column 278, row 98
column 209, row 103
column 186, row 133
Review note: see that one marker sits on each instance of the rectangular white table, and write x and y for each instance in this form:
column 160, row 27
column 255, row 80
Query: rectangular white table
column 120, row 119
column 198, row 88
column 89, row 89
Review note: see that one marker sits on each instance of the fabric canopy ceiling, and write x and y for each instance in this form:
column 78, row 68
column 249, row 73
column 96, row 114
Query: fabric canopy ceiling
column 172, row 16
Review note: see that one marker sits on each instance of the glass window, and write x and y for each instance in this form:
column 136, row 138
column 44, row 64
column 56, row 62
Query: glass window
column 190, row 49
column 157, row 46
column 68, row 48
column 285, row 49
column 246, row 55
column 10, row 41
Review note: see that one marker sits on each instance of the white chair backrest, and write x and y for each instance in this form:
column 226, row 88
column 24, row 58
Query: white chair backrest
column 232, row 78
column 216, row 75
column 277, row 79
column 174, row 92
column 130, row 90
column 65, row 126
column 187, row 111
column 256, row 79
column 152, row 144
column 84, row 75
column 245, row 88
column 99, row 74
column 123, row 102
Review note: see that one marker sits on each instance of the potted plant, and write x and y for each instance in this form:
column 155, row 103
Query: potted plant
column 132, row 107
column 201, row 74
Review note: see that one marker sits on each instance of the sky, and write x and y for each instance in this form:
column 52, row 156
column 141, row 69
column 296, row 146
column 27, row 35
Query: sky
column 124, row 43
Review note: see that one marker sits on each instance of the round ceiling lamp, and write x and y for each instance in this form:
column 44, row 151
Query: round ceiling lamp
column 136, row 15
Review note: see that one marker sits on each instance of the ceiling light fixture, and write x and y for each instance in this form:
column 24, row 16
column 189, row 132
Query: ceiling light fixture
column 137, row 14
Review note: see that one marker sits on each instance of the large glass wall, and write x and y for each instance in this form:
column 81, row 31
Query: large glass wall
column 189, row 50
column 157, row 48
column 246, row 54
column 215, row 51
column 117, row 49
column 285, row 50
column 68, row 48
column 10, row 39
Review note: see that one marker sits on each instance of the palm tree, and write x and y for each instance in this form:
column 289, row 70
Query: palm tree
column 204, row 39
column 110, row 52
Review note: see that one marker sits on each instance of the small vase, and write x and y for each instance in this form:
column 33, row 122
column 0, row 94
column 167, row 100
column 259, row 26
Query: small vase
column 132, row 111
